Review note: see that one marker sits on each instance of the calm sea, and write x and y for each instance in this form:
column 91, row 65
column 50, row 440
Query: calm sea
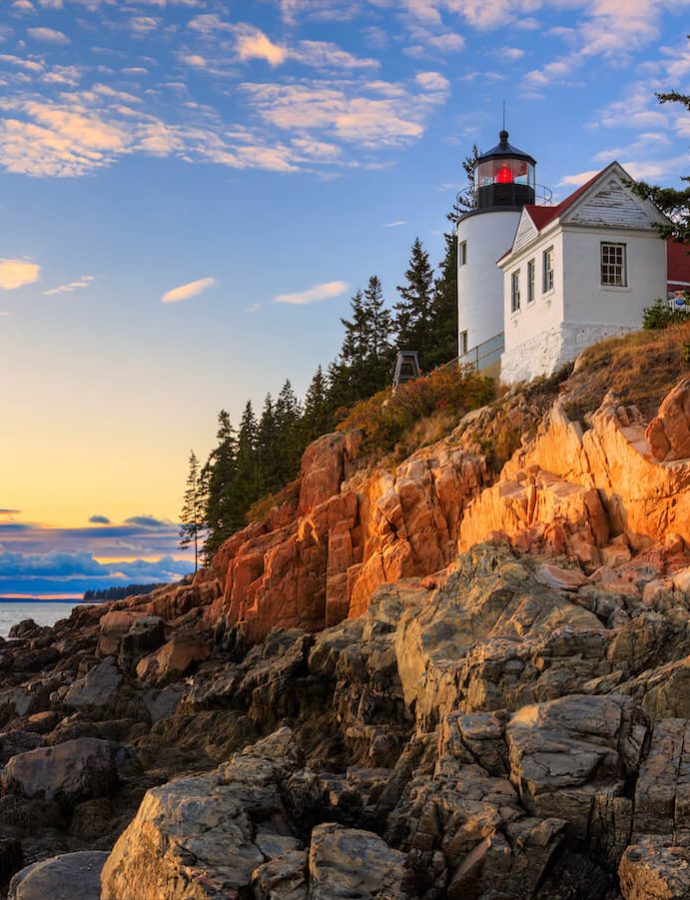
column 43, row 612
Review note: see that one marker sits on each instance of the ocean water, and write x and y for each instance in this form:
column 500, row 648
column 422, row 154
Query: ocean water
column 43, row 612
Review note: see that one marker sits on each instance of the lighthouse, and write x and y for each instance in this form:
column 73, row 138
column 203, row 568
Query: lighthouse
column 504, row 182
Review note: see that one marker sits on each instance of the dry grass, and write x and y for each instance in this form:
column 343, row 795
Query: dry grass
column 640, row 368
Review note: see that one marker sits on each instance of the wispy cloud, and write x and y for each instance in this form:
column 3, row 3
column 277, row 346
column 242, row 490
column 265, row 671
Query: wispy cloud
column 83, row 282
column 396, row 224
column 48, row 35
column 185, row 291
column 16, row 273
column 314, row 295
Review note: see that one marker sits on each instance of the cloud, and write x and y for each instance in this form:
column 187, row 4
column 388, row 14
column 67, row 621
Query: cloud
column 15, row 273
column 185, row 291
column 254, row 44
column 84, row 282
column 148, row 522
column 313, row 295
column 48, row 36
column 395, row 224
column 73, row 573
column 99, row 520
column 579, row 178
column 372, row 115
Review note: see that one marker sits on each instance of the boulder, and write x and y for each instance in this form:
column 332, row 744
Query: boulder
column 77, row 770
column 174, row 659
column 70, row 876
column 652, row 870
column 96, row 691
column 564, row 753
column 669, row 432
column 145, row 634
column 202, row 831
column 348, row 862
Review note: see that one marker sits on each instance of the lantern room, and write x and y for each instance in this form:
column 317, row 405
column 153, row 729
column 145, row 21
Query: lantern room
column 504, row 177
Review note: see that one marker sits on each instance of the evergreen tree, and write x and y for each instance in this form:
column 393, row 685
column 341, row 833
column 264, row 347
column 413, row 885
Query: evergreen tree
column 268, row 451
column 244, row 488
column 444, row 312
column 288, row 437
column 316, row 414
column 192, row 515
column 378, row 330
column 465, row 200
column 217, row 476
column 413, row 319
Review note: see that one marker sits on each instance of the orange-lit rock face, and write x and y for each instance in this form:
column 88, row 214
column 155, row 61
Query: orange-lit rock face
column 669, row 433
column 593, row 495
column 346, row 538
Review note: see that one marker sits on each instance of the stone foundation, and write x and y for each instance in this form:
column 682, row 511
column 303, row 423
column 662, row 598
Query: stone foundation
column 545, row 353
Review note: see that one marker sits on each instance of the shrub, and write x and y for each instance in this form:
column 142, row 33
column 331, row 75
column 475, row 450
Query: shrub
column 385, row 420
column 661, row 315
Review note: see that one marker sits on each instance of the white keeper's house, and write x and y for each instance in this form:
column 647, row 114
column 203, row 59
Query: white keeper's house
column 539, row 283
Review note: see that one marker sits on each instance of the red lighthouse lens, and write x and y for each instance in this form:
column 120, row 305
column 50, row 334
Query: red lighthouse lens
column 504, row 175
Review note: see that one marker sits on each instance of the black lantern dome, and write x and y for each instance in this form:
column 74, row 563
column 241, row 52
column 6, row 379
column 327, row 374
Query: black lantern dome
column 504, row 177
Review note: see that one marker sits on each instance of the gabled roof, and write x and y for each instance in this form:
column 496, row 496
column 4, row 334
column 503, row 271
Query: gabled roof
column 678, row 256
column 544, row 215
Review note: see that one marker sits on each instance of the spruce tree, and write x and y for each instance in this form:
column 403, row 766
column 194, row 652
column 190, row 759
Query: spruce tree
column 192, row 515
column 464, row 202
column 413, row 318
column 288, row 416
column 217, row 476
column 379, row 329
column 244, row 489
column 444, row 308
column 316, row 413
column 268, row 451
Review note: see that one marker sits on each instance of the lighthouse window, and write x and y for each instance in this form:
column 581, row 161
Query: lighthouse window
column 613, row 265
column 462, row 253
column 530, row 281
column 548, row 270
column 515, row 292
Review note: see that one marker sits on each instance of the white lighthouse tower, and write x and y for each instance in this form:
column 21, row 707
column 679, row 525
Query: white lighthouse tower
column 504, row 182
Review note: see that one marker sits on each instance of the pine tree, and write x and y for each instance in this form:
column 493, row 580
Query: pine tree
column 413, row 319
column 268, row 452
column 217, row 477
column 378, row 325
column 465, row 200
column 444, row 308
column 244, row 488
column 192, row 515
column 316, row 413
column 288, row 416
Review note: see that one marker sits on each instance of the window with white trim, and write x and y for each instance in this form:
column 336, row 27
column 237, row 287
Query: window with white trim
column 464, row 343
column 515, row 291
column 530, row 281
column 613, row 265
column 547, row 281
column 462, row 253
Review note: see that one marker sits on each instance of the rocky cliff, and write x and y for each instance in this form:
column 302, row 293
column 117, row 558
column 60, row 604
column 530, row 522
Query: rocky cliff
column 465, row 674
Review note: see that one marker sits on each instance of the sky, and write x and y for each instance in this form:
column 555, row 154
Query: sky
column 192, row 190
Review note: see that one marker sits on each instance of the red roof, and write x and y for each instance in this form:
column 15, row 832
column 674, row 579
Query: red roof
column 544, row 215
column 678, row 256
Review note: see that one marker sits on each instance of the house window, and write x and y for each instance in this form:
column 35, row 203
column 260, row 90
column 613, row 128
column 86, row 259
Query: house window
column 548, row 270
column 613, row 265
column 462, row 253
column 515, row 291
column 464, row 343
column 530, row 281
